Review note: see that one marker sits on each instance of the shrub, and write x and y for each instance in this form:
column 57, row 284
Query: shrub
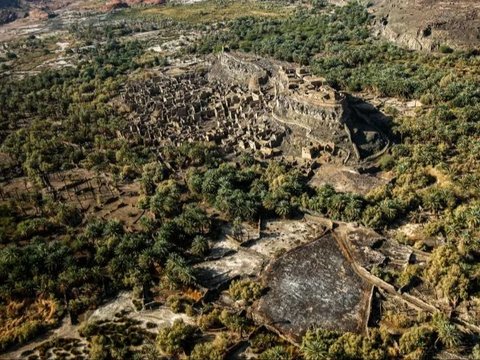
column 233, row 322
column 348, row 346
column 476, row 352
column 176, row 339
column 98, row 350
column 245, row 289
column 68, row 215
column 277, row 353
column 175, row 303
column 408, row 275
column 210, row 320
column 445, row 49
column 262, row 342
column 417, row 340
column 214, row 350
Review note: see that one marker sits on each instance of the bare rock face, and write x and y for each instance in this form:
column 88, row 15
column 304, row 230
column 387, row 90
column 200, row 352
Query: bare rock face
column 426, row 24
column 313, row 286
column 429, row 24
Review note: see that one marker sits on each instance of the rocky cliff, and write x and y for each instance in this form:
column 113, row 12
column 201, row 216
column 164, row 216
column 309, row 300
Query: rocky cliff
column 427, row 24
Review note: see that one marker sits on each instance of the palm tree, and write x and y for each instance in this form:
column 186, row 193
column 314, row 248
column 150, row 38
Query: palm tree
column 283, row 208
column 194, row 220
column 161, row 248
column 389, row 209
column 447, row 332
column 276, row 353
column 178, row 271
column 166, row 200
column 199, row 246
column 353, row 210
column 269, row 202
column 336, row 205
column 210, row 183
column 316, row 343
column 473, row 216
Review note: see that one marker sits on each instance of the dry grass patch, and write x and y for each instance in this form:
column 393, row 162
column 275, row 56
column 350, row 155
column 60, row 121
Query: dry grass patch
column 210, row 11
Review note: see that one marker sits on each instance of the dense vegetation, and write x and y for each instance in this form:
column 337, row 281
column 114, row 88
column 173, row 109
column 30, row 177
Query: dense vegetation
column 54, row 257
column 436, row 164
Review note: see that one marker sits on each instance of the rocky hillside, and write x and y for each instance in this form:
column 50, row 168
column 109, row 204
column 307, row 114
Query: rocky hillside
column 430, row 24
column 427, row 24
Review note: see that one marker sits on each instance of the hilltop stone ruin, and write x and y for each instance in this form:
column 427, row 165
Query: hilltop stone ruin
column 243, row 103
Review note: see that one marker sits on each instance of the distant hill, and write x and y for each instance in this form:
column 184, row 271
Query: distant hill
column 427, row 24
column 430, row 24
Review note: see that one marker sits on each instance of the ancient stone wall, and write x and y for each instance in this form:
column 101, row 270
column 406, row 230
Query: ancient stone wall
column 241, row 103
column 324, row 122
column 192, row 107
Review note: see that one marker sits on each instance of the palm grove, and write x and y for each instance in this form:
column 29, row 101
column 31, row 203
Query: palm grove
column 62, row 119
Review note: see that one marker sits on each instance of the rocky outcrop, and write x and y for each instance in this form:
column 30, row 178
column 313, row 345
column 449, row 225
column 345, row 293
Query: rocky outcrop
column 313, row 286
column 426, row 24
column 324, row 123
column 307, row 101
column 429, row 24
column 145, row 2
column 407, row 40
column 38, row 14
column 237, row 70
column 297, row 99
column 114, row 5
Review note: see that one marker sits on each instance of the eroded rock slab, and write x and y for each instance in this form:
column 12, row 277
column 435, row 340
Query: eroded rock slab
column 313, row 285
column 229, row 261
column 345, row 179
column 279, row 236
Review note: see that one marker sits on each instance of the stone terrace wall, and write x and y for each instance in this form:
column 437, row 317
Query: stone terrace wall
column 323, row 123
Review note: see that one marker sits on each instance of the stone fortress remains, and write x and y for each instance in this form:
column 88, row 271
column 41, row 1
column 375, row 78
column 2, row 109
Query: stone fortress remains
column 244, row 103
